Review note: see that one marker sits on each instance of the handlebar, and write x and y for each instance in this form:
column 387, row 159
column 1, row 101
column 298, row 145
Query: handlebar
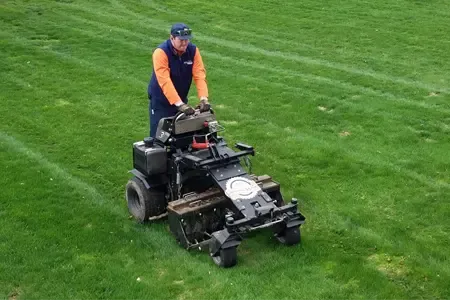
column 180, row 115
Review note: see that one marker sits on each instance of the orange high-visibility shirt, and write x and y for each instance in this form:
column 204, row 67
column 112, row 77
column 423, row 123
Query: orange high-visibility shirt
column 162, row 72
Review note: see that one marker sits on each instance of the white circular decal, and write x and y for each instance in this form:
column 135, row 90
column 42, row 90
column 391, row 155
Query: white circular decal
column 241, row 188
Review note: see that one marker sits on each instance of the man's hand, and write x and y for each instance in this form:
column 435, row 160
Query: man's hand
column 186, row 109
column 204, row 105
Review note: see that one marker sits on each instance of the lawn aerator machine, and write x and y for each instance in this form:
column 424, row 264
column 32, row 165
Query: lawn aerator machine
column 189, row 174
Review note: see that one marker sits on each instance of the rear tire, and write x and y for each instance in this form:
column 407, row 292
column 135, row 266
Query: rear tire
column 144, row 203
column 226, row 258
column 290, row 236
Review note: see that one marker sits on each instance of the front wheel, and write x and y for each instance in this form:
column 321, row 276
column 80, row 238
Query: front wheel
column 226, row 258
column 289, row 236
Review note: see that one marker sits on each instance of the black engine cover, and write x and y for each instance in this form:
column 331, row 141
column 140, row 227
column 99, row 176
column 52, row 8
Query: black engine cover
column 149, row 160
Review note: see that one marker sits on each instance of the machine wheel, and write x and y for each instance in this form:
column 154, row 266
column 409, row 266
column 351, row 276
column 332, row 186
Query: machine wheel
column 290, row 236
column 144, row 203
column 226, row 258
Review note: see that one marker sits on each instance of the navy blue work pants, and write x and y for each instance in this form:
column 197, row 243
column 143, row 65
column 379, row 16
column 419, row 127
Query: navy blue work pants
column 156, row 114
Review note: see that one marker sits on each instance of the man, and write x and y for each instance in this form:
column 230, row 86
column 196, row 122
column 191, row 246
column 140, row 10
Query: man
column 175, row 63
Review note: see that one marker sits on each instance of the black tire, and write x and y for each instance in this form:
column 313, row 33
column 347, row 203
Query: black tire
column 144, row 203
column 226, row 258
column 290, row 236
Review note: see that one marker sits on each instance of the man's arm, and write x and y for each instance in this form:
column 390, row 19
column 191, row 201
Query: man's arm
column 199, row 75
column 162, row 72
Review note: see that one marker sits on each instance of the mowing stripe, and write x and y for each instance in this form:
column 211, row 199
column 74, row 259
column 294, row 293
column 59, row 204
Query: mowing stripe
column 160, row 25
column 333, row 82
column 345, row 16
column 58, row 172
column 264, row 32
column 362, row 158
column 285, row 87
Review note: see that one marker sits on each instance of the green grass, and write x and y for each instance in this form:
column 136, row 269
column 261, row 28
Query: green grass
column 346, row 103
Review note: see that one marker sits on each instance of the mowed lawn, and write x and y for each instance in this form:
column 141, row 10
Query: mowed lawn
column 347, row 104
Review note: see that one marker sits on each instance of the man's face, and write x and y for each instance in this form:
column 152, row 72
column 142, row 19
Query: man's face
column 180, row 45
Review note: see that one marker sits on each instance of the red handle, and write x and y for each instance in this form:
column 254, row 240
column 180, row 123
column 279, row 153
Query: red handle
column 196, row 145
column 200, row 145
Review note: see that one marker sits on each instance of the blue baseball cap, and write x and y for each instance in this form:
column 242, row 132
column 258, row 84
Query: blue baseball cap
column 182, row 31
